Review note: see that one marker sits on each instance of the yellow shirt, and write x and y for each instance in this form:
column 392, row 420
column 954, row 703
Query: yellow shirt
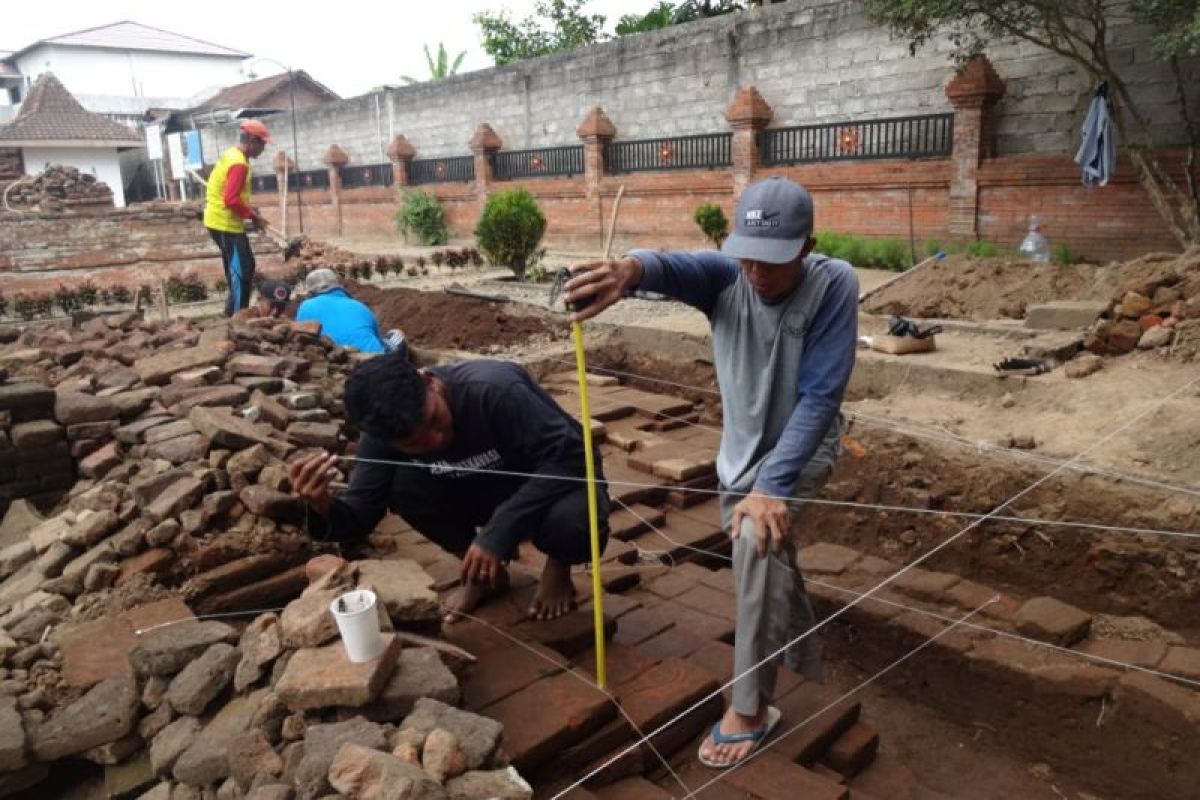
column 217, row 215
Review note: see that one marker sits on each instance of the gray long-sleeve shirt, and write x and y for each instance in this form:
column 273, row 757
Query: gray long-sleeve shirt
column 782, row 367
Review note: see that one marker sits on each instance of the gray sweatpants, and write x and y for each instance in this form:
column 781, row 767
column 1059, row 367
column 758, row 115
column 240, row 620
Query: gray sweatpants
column 772, row 605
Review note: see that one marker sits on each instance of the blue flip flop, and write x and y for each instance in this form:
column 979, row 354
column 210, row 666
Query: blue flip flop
column 757, row 736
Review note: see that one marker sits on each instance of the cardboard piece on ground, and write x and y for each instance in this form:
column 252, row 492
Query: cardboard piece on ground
column 903, row 345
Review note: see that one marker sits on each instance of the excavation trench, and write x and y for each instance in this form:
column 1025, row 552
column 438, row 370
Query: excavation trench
column 884, row 502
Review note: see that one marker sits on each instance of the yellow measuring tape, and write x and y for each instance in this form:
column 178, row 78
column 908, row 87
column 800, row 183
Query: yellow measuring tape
column 593, row 512
column 585, row 414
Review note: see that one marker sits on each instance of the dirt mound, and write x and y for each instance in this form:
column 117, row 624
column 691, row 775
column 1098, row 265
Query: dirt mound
column 966, row 287
column 444, row 321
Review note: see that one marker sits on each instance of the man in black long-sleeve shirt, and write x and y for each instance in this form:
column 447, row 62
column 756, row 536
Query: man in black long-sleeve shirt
column 468, row 436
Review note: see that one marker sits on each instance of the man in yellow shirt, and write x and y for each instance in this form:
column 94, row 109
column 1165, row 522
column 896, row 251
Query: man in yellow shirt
column 227, row 208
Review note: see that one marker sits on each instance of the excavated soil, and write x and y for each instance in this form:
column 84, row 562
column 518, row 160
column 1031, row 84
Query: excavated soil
column 966, row 287
column 445, row 321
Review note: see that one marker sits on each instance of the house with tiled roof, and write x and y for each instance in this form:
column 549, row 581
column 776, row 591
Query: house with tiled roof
column 124, row 69
column 262, row 96
column 53, row 128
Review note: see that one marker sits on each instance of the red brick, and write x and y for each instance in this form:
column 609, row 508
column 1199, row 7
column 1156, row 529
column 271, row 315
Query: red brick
column 770, row 775
column 711, row 601
column 622, row 664
column 636, row 788
column 626, row 524
column 568, row 634
column 639, row 625
column 854, row 750
column 808, row 743
column 1142, row 654
column 552, row 714
column 674, row 642
column 507, row 670
column 269, row 592
column 663, row 691
column 1182, row 661
column 97, row 650
column 152, row 561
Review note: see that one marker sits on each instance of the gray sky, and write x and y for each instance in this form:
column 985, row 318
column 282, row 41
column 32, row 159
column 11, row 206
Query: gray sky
column 350, row 46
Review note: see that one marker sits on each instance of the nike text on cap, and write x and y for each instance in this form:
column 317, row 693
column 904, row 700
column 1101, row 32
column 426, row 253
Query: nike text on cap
column 774, row 219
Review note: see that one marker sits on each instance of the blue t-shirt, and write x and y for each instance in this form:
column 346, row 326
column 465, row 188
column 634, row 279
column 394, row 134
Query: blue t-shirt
column 343, row 319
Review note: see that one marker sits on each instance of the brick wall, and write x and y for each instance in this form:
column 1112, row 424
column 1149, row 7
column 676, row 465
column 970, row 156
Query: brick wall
column 867, row 197
column 813, row 60
column 144, row 243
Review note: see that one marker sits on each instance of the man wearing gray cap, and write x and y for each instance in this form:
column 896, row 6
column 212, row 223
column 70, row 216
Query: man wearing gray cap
column 785, row 328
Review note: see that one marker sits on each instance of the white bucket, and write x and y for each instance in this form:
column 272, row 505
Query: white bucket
column 358, row 623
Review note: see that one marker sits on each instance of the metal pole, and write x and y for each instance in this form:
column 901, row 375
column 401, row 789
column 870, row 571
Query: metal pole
column 296, row 148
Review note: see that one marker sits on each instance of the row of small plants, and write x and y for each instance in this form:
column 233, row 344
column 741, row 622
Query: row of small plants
column 891, row 252
column 66, row 298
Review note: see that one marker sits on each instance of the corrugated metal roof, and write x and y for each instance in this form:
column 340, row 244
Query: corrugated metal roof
column 50, row 114
column 127, row 35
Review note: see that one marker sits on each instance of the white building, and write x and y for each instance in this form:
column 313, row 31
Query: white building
column 53, row 128
column 124, row 69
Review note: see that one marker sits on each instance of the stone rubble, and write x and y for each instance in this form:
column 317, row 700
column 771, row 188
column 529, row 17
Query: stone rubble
column 144, row 480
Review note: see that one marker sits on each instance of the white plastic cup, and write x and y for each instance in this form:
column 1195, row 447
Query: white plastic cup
column 358, row 623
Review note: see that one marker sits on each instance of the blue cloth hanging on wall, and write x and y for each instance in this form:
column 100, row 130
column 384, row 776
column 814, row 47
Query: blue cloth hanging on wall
column 1098, row 150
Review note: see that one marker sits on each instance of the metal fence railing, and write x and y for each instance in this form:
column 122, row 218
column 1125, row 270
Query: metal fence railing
column 925, row 136
column 540, row 162
column 309, row 179
column 357, row 175
column 264, row 183
column 704, row 151
column 441, row 170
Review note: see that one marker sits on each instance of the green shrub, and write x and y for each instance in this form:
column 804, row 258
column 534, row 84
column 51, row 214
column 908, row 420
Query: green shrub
column 421, row 215
column 67, row 298
column 3, row 304
column 121, row 294
column 1063, row 254
column 712, row 222
column 982, row 249
column 510, row 230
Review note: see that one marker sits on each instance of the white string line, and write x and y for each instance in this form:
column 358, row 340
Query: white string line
column 913, row 430
column 198, row 617
column 917, row 431
column 569, row 668
column 882, row 507
column 954, row 624
column 935, row 615
column 890, row 579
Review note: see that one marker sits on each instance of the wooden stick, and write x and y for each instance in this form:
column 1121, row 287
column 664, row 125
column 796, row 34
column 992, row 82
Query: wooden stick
column 612, row 222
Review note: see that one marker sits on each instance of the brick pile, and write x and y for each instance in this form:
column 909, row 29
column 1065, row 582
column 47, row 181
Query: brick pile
column 59, row 188
column 182, row 507
column 1155, row 303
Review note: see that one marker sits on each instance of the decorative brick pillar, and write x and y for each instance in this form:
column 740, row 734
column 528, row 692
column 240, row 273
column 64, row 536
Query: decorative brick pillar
column 973, row 92
column 334, row 159
column 596, row 131
column 748, row 114
column 283, row 167
column 484, row 145
column 400, row 153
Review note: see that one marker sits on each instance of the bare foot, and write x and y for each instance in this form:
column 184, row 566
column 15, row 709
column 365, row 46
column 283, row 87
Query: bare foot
column 733, row 723
column 555, row 594
column 467, row 597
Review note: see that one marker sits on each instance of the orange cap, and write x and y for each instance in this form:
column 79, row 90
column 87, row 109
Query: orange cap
column 255, row 128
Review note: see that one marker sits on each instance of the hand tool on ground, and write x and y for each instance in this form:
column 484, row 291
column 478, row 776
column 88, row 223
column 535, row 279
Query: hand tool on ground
column 938, row 256
column 463, row 291
column 291, row 247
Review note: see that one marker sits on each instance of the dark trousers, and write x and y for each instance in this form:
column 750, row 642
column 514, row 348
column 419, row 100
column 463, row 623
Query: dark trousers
column 238, row 260
column 448, row 510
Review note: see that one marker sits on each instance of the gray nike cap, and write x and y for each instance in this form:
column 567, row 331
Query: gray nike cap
column 774, row 219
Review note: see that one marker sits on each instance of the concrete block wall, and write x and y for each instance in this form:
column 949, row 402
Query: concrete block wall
column 813, row 60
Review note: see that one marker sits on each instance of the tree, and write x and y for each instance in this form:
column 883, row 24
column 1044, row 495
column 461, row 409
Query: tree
column 661, row 16
column 666, row 14
column 439, row 67
column 1078, row 30
column 555, row 26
